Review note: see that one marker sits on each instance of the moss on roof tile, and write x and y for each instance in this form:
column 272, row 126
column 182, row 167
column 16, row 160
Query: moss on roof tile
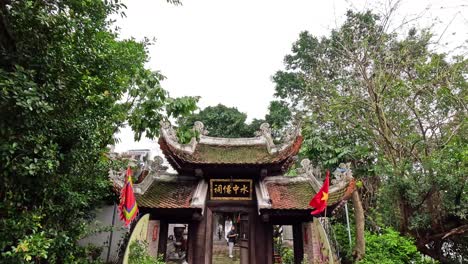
column 294, row 195
column 167, row 195
column 232, row 154
column 297, row 195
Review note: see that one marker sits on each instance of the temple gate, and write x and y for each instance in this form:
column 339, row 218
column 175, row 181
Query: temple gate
column 240, row 182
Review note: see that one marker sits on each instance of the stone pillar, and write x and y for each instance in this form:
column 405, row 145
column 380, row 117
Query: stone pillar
column 152, row 237
column 308, row 241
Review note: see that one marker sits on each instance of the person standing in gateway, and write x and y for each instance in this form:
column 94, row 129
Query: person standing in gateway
column 231, row 239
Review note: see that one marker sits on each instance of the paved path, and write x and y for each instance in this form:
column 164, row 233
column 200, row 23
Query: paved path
column 221, row 253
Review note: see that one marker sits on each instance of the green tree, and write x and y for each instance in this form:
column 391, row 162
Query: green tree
column 66, row 86
column 219, row 120
column 223, row 121
column 278, row 115
column 398, row 107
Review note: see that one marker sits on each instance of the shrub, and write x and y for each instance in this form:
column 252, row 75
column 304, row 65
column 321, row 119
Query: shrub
column 287, row 255
column 139, row 254
column 386, row 247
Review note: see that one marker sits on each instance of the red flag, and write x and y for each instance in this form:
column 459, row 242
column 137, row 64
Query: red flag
column 319, row 201
column 128, row 206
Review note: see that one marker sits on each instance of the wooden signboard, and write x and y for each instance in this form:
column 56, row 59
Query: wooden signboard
column 227, row 189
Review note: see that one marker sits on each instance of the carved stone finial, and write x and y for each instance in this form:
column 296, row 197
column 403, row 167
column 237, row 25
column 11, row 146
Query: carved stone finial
column 313, row 173
column 200, row 128
column 170, row 136
column 291, row 134
column 305, row 163
column 342, row 173
column 169, row 131
column 157, row 164
column 117, row 177
column 265, row 128
column 164, row 124
column 309, row 170
column 265, row 131
column 158, row 160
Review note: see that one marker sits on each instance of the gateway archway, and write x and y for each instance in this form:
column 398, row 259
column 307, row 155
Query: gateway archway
column 222, row 182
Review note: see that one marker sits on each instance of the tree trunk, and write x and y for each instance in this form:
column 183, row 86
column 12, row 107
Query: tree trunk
column 404, row 215
column 7, row 44
column 360, row 246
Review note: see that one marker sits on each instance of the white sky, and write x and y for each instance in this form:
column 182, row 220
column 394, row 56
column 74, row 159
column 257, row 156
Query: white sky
column 227, row 50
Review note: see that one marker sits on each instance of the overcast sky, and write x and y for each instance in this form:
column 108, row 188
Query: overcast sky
column 227, row 50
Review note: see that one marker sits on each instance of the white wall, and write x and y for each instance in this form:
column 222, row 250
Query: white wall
column 104, row 219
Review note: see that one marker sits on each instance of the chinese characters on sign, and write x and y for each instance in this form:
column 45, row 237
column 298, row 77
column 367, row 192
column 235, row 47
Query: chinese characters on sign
column 226, row 189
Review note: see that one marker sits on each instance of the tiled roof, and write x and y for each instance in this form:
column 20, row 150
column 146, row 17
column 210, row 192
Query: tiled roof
column 210, row 157
column 297, row 195
column 211, row 154
column 293, row 195
column 162, row 194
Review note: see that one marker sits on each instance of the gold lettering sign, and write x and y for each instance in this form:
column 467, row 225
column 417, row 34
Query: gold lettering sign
column 226, row 189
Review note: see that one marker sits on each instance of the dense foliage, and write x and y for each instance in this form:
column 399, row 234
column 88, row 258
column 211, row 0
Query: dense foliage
column 219, row 120
column 223, row 121
column 287, row 255
column 397, row 109
column 385, row 246
column 66, row 85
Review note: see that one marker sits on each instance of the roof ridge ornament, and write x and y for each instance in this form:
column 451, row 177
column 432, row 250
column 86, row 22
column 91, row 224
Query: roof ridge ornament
column 157, row 164
column 265, row 132
column 291, row 133
column 314, row 174
column 263, row 137
column 343, row 174
column 118, row 180
column 170, row 135
column 199, row 127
